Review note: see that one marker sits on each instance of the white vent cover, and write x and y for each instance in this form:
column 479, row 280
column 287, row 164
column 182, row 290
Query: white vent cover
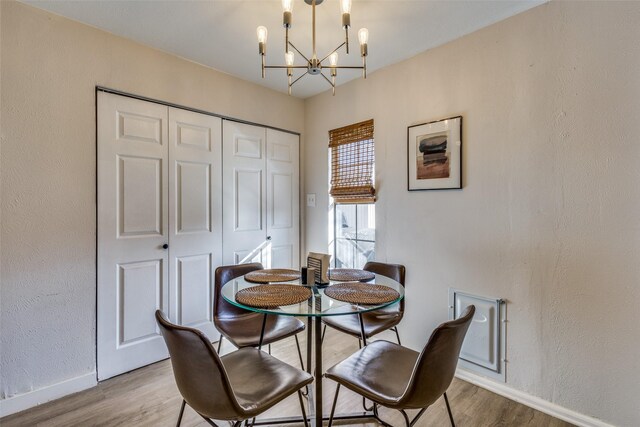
column 483, row 350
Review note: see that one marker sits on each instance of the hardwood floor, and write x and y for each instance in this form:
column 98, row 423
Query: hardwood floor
column 149, row 397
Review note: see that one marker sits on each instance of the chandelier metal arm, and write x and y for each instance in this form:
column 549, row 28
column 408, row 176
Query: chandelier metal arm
column 289, row 66
column 294, row 82
column 300, row 53
column 332, row 82
column 345, row 67
column 334, row 50
column 327, row 79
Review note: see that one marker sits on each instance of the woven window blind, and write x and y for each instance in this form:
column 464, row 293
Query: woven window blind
column 352, row 159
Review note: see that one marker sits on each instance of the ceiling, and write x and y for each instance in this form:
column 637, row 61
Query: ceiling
column 221, row 34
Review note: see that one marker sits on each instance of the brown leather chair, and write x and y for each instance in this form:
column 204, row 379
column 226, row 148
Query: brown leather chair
column 235, row 387
column 376, row 321
column 399, row 378
column 241, row 327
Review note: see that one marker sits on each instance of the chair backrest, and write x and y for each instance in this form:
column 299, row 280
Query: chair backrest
column 221, row 308
column 396, row 272
column 437, row 363
column 198, row 371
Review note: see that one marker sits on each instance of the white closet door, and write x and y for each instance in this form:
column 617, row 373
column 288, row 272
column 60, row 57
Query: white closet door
column 195, row 216
column 283, row 199
column 244, row 213
column 132, row 229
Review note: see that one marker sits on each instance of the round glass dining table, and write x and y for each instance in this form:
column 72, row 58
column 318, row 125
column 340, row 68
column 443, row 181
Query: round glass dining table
column 314, row 309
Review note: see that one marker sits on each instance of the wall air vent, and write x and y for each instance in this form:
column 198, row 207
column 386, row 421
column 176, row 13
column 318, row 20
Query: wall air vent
column 484, row 348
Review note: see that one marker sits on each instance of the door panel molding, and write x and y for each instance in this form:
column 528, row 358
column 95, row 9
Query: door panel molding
column 147, row 178
column 135, row 279
column 195, row 289
column 193, row 217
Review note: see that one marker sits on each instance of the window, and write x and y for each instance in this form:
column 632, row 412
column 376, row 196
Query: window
column 352, row 213
column 354, row 235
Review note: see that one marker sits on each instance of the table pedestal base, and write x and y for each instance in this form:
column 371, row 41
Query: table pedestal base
column 314, row 396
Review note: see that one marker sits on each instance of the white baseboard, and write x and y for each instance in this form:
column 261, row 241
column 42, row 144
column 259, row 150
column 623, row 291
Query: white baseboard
column 33, row 398
column 534, row 402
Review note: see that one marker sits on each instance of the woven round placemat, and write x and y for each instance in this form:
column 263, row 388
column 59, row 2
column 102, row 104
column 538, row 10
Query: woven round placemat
column 272, row 275
column 361, row 293
column 350, row 275
column 271, row 296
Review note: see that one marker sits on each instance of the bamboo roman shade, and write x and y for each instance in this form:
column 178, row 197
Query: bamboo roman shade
column 352, row 159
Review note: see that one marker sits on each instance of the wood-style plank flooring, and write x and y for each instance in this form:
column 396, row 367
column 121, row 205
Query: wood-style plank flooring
column 149, row 397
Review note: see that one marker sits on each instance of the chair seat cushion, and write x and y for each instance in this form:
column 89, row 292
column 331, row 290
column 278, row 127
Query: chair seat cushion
column 380, row 372
column 259, row 380
column 374, row 322
column 244, row 331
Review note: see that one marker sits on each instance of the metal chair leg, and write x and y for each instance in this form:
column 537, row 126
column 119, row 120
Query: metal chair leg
column 362, row 333
column 299, row 352
column 304, row 413
column 333, row 407
column 181, row 413
column 364, row 405
column 415, row 419
column 395, row 329
column 377, row 416
column 309, row 343
column 211, row 423
column 220, row 344
column 446, row 400
column 406, row 418
column 323, row 331
column 264, row 324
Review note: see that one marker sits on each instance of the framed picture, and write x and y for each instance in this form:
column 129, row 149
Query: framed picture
column 434, row 155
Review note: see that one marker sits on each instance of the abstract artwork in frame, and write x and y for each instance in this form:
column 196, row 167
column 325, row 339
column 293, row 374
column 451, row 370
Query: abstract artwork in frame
column 435, row 155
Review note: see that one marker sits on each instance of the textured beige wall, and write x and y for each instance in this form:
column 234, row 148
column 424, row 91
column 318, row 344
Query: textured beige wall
column 50, row 67
column 548, row 217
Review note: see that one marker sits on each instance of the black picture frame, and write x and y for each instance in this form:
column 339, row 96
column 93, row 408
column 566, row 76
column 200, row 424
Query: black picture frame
column 434, row 155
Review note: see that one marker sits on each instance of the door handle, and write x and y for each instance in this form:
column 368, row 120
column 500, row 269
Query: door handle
column 165, row 246
column 268, row 237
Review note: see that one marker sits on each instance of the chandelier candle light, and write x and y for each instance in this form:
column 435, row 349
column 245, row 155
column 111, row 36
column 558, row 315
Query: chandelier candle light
column 314, row 66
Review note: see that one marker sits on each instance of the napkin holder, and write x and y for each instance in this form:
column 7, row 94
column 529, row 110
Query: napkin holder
column 307, row 276
column 319, row 262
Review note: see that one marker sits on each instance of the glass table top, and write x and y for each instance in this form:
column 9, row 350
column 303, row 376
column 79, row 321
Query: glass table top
column 318, row 305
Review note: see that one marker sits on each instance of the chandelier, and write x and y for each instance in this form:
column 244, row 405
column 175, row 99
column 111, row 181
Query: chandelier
column 314, row 66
